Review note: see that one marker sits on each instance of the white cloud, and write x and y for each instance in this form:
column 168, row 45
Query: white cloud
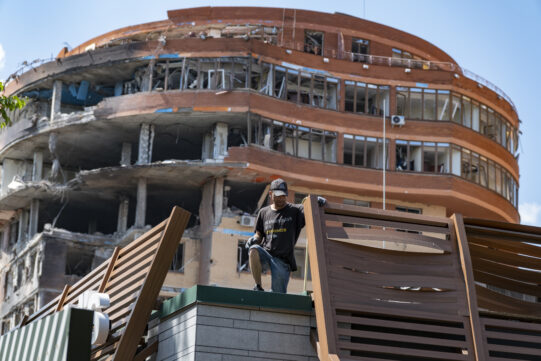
column 2, row 57
column 530, row 213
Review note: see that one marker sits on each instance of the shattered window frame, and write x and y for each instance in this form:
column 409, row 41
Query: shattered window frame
column 314, row 41
column 458, row 161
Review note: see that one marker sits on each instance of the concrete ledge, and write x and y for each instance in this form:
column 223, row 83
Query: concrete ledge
column 236, row 298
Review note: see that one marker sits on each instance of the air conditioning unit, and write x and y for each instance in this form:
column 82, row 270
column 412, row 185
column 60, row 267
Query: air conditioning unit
column 398, row 120
column 247, row 221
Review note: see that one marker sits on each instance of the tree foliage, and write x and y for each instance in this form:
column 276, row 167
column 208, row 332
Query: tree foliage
column 8, row 103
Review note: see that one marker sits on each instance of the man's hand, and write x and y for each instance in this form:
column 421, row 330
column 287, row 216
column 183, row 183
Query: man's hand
column 251, row 241
column 321, row 201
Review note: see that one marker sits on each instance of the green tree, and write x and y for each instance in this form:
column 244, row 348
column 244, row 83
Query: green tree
column 8, row 103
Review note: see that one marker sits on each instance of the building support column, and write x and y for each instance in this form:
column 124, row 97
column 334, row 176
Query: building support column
column 218, row 200
column 219, row 149
column 123, row 207
column 56, row 99
column 125, row 157
column 146, row 139
column 206, row 222
column 37, row 166
column 33, row 222
column 141, row 207
column 23, row 226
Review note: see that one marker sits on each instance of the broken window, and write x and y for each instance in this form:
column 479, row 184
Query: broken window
column 78, row 261
column 8, row 284
column 13, row 232
column 429, row 104
column 364, row 151
column 178, row 259
column 443, row 104
column 243, row 260
column 422, row 156
column 366, row 98
column 401, row 101
column 360, row 49
column 313, row 42
column 456, row 113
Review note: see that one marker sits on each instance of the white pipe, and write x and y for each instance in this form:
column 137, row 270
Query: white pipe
column 384, row 154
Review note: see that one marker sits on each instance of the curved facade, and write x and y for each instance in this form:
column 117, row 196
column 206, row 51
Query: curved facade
column 205, row 108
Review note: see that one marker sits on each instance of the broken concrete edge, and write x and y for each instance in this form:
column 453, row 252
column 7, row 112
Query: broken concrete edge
column 287, row 303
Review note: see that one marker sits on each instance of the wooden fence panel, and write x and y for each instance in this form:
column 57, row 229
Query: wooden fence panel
column 132, row 277
column 387, row 285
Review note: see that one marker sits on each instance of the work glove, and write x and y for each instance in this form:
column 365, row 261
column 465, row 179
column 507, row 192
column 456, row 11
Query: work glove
column 321, row 201
column 251, row 241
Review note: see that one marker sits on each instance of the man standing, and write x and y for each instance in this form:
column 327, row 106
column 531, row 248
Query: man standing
column 276, row 232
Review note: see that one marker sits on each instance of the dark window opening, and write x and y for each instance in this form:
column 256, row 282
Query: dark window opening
column 243, row 260
column 78, row 261
column 360, row 49
column 178, row 259
column 313, row 42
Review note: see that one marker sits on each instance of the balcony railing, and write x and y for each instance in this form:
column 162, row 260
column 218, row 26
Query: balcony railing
column 355, row 57
column 426, row 65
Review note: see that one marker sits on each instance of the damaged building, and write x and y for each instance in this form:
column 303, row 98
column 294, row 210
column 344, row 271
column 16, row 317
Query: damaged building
column 204, row 109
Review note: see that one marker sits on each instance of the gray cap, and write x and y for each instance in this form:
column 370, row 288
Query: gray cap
column 278, row 187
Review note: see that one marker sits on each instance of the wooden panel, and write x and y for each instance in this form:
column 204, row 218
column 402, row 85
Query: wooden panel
column 382, row 302
column 358, row 235
column 133, row 277
column 506, row 305
column 512, row 340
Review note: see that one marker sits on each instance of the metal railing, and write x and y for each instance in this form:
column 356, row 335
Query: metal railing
column 355, row 57
column 426, row 65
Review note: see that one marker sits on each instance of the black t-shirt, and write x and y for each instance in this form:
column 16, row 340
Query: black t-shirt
column 281, row 230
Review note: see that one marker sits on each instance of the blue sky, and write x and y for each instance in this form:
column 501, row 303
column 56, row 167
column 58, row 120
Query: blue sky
column 498, row 40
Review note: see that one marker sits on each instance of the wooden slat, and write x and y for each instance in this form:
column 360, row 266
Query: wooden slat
column 360, row 234
column 507, row 284
column 62, row 298
column 109, row 269
column 143, row 238
column 501, row 335
column 418, row 315
column 397, row 323
column 318, row 265
column 471, row 296
column 388, row 224
column 533, row 351
column 509, row 258
column 368, row 263
column 151, row 244
column 136, row 262
column 394, row 279
column 393, row 216
column 400, row 337
column 512, row 325
column 340, row 249
column 135, row 327
column 363, row 295
column 402, row 351
column 125, row 282
column 507, row 271
column 508, row 230
column 507, row 305
column 503, row 244
column 147, row 351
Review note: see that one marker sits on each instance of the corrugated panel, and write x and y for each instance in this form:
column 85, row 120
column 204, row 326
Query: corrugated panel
column 61, row 336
